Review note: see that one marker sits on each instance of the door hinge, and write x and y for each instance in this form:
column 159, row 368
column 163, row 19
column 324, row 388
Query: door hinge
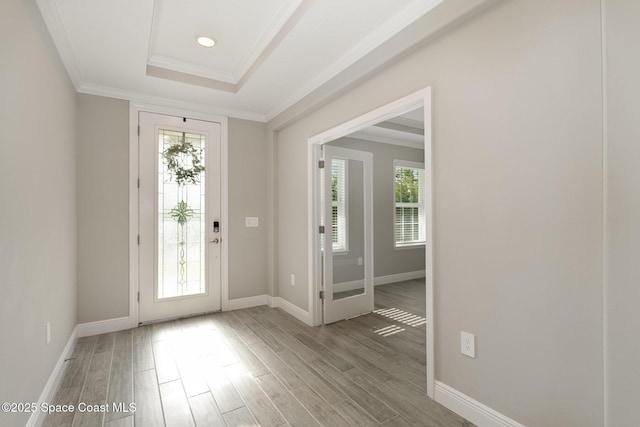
column 138, row 182
column 321, row 294
column 138, row 239
column 138, row 130
column 321, row 229
column 321, row 164
column 138, row 296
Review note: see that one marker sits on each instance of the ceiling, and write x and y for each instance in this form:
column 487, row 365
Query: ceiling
column 270, row 55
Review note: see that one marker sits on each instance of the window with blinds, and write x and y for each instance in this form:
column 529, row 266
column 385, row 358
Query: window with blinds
column 409, row 218
column 339, row 205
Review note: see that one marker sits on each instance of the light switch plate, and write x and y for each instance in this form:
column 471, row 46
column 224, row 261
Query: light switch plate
column 251, row 221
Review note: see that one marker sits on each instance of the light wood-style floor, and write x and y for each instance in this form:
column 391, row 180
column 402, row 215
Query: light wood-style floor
column 260, row 367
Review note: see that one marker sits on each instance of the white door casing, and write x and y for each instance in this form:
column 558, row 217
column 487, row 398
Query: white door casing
column 421, row 98
column 204, row 262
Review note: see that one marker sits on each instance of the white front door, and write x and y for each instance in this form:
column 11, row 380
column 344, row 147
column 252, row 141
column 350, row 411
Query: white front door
column 180, row 239
column 348, row 237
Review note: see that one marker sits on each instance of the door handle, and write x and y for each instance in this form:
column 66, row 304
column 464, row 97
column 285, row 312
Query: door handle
column 216, row 240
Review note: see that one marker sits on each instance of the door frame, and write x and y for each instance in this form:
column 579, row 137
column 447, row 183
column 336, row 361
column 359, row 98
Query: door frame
column 421, row 98
column 134, row 256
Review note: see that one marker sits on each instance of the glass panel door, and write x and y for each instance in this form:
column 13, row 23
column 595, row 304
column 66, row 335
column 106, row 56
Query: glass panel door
column 180, row 249
column 348, row 216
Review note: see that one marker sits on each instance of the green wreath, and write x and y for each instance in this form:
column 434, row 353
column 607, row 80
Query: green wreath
column 176, row 159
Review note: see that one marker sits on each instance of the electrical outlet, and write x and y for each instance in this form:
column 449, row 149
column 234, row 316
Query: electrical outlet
column 468, row 344
column 293, row 280
column 359, row 260
column 48, row 329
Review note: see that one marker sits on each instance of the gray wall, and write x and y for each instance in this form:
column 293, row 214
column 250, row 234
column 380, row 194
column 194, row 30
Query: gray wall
column 247, row 197
column 387, row 259
column 103, row 208
column 623, row 211
column 38, row 206
column 517, row 126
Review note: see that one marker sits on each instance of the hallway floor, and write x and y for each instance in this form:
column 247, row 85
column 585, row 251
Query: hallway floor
column 260, row 367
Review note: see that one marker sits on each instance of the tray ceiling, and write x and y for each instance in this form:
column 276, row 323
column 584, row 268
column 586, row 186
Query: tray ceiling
column 270, row 54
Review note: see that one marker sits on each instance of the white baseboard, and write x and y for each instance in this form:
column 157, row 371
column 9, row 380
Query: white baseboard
column 240, row 303
column 105, row 326
column 50, row 388
column 273, row 302
column 471, row 409
column 123, row 323
column 400, row 277
column 292, row 309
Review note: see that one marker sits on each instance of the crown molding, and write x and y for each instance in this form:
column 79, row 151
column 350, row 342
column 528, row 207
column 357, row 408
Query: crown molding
column 52, row 19
column 190, row 79
column 186, row 67
column 131, row 96
column 389, row 136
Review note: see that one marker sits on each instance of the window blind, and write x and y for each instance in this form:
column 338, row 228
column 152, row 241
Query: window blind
column 409, row 221
column 339, row 204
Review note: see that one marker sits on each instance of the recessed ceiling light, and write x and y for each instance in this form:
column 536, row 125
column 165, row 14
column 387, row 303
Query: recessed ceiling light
column 206, row 41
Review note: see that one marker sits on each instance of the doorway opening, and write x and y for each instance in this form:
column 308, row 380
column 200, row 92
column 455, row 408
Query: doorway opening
column 397, row 138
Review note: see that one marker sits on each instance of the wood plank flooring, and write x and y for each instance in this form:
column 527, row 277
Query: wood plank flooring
column 260, row 367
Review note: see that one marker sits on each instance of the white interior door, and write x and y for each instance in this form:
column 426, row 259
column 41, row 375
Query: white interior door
column 180, row 239
column 348, row 239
